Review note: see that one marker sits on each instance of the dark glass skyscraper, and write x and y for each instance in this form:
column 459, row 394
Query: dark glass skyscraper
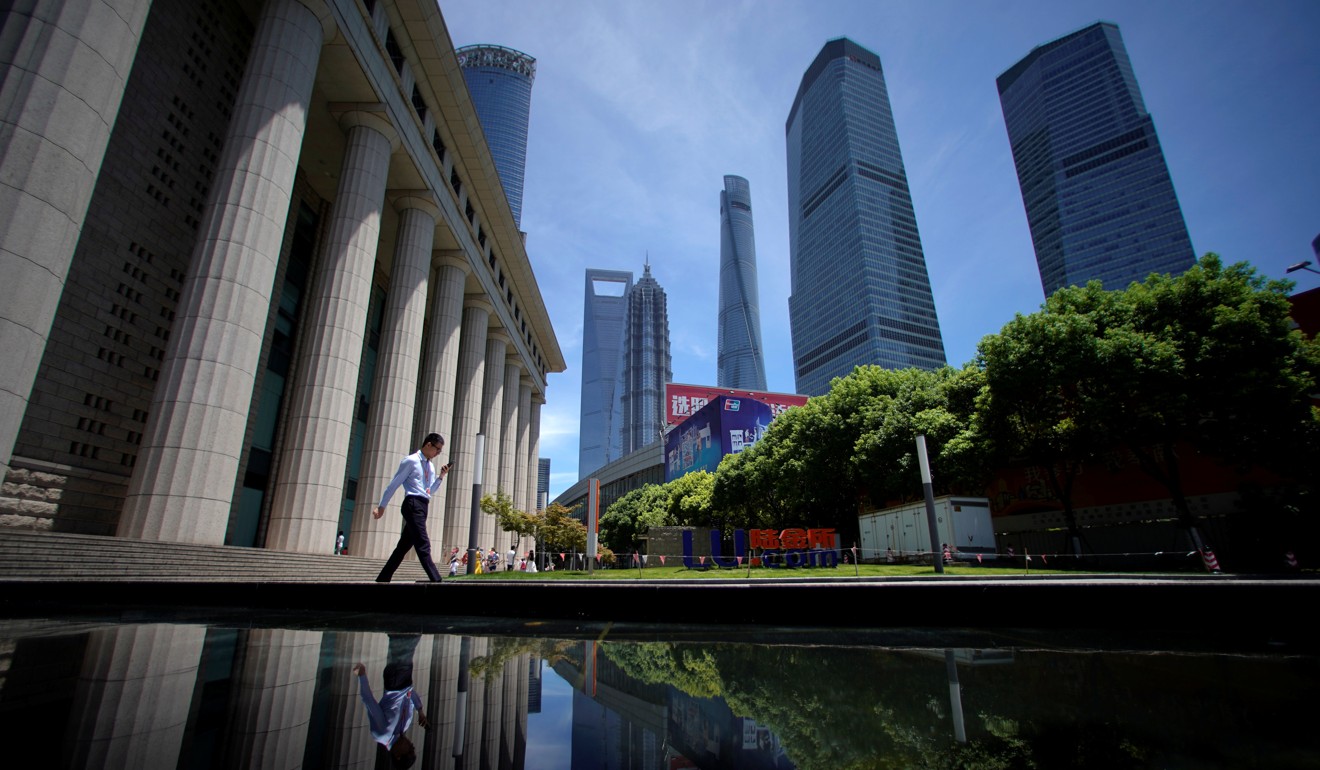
column 1097, row 192
column 647, row 363
column 860, row 290
column 740, row 360
column 604, row 317
column 500, row 82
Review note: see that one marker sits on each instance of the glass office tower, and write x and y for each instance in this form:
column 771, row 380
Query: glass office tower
column 860, row 291
column 740, row 359
column 500, row 82
column 604, row 317
column 542, row 481
column 1097, row 192
column 647, row 364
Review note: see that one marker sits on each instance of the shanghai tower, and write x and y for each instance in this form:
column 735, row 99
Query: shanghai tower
column 740, row 359
column 500, row 82
column 860, row 290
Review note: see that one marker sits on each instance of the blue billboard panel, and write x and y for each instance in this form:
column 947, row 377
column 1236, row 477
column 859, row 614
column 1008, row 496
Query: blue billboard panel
column 726, row 425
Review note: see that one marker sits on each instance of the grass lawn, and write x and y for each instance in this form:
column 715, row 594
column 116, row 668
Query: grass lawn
column 679, row 572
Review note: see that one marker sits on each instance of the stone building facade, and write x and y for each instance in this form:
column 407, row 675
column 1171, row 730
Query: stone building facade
column 254, row 250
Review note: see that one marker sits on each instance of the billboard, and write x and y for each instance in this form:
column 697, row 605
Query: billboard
column 725, row 425
column 682, row 401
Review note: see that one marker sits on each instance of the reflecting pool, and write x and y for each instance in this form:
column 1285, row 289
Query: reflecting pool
column 248, row 692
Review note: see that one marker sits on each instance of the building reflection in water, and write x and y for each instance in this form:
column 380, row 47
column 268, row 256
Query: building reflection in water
column 189, row 696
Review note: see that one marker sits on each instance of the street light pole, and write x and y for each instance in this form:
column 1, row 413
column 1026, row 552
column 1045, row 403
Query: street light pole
column 474, row 519
column 929, row 490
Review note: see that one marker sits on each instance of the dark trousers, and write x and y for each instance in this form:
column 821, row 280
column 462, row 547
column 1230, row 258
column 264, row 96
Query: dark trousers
column 399, row 662
column 412, row 537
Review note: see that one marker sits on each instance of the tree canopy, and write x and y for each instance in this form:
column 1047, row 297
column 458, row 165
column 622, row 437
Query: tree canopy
column 626, row 520
column 1207, row 361
column 552, row 528
column 855, row 443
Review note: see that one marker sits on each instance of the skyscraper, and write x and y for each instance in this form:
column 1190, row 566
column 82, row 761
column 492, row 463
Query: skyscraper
column 1098, row 195
column 604, row 316
column 542, row 481
column 860, row 291
column 647, row 364
column 740, row 361
column 500, row 82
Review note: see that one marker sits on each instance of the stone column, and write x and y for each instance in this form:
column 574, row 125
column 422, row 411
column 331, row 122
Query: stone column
column 441, row 697
column 526, row 661
column 65, row 65
column 273, row 698
column 462, row 445
column 493, row 718
column 475, row 729
column 533, row 443
column 309, row 492
column 492, row 425
column 509, row 719
column 393, row 396
column 520, row 492
column 183, row 484
column 435, row 395
column 349, row 742
column 509, row 441
column 130, row 706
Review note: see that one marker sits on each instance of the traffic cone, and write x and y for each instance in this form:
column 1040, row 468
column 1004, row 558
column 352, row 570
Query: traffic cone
column 1210, row 562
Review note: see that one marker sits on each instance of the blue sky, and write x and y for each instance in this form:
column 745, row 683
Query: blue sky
column 639, row 109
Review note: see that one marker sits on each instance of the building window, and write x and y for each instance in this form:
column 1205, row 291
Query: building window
column 396, row 53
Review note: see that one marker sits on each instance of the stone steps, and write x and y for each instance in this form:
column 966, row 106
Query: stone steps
column 42, row 555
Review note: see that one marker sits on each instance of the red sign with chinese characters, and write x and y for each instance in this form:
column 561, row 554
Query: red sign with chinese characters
column 682, row 401
column 791, row 538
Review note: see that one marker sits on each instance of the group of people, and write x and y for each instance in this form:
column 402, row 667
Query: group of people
column 490, row 561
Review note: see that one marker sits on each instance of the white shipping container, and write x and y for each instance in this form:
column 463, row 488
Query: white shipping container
column 962, row 522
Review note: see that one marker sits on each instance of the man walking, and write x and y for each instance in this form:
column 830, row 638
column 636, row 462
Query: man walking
column 392, row 715
column 419, row 480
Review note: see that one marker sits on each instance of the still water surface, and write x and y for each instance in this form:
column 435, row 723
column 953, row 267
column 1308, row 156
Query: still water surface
column 175, row 694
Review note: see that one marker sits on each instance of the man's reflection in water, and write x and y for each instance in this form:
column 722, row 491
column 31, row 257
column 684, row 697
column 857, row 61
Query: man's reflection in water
column 392, row 715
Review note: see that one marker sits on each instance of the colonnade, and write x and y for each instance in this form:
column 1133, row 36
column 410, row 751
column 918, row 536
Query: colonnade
column 469, row 379
column 136, row 697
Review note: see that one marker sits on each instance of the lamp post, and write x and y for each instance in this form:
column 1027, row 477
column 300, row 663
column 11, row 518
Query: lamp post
column 474, row 520
column 926, row 486
column 1302, row 266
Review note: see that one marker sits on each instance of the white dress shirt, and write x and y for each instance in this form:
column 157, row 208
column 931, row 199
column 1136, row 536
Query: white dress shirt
column 416, row 475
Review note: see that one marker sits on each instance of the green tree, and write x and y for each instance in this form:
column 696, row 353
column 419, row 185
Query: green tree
column 1208, row 359
column 891, row 409
column 1042, row 373
column 509, row 518
column 795, row 475
column 818, row 462
column 628, row 518
column 690, row 500
column 556, row 529
column 553, row 529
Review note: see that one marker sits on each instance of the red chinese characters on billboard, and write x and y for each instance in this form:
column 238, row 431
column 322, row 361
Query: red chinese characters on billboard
column 681, row 401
